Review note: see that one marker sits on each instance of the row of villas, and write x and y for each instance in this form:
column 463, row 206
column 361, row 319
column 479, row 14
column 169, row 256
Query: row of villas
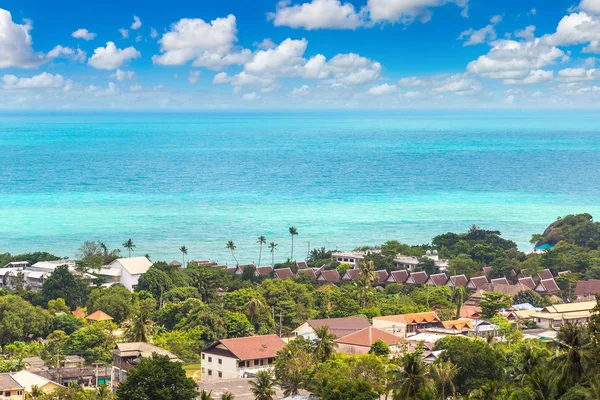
column 354, row 258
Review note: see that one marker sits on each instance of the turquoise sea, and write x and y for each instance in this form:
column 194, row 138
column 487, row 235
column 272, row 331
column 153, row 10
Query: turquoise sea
column 344, row 179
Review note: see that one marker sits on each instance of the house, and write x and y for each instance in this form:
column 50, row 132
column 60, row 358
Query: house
column 500, row 281
column 126, row 271
column 284, row 273
column 486, row 270
column 406, row 325
column 28, row 380
column 437, row 279
column 430, row 356
column 310, row 272
column 176, row 264
column 547, row 286
column 329, row 276
column 301, row 264
column 87, row 375
column 458, row 281
column 360, row 342
column 410, row 262
column 10, row 389
column 471, row 312
column 242, row 267
column 545, row 274
column 483, row 329
column 417, row 278
column 477, row 282
column 381, row 276
column 507, row 290
column 264, row 270
column 350, row 275
column 398, row 277
column 587, row 288
column 33, row 363
column 239, row 357
column 557, row 315
column 459, row 325
column 528, row 281
column 17, row 264
column 127, row 355
column 352, row 257
column 340, row 327
column 99, row 316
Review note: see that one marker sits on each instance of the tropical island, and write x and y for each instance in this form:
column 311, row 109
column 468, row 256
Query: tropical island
column 466, row 316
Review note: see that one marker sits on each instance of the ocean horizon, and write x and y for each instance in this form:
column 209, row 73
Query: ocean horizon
column 343, row 179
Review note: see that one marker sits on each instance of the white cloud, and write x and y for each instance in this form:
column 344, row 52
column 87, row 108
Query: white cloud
column 458, row 84
column 317, row 14
column 16, row 44
column 110, row 57
column 406, row 11
column 251, row 96
column 578, row 74
column 509, row 59
column 67, row 52
column 139, row 38
column 300, row 91
column 478, row 36
column 207, row 44
column 284, row 60
column 576, row 28
column 382, row 90
column 535, row 76
column 136, row 88
column 528, row 33
column 83, row 34
column 153, row 33
column 591, row 6
column 136, row 24
column 496, row 19
column 353, row 69
column 193, row 77
column 124, row 33
column 412, row 81
column 121, row 75
column 243, row 79
column 265, row 44
column 43, row 80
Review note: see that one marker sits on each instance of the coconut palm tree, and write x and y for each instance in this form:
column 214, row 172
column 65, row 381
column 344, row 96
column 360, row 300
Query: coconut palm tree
column 253, row 308
column 324, row 343
column 293, row 231
column 103, row 393
column 262, row 386
column 227, row 396
column 272, row 247
column 129, row 246
column 36, row 392
column 573, row 339
column 444, row 373
column 364, row 282
column 184, row 252
column 261, row 240
column 231, row 247
column 410, row 381
column 541, row 384
column 204, row 395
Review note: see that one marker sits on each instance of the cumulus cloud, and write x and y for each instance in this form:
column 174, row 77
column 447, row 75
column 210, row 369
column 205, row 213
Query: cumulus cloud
column 535, row 76
column 124, row 33
column 121, row 75
column 206, row 44
column 250, row 96
column 193, row 77
column 382, row 90
column 353, row 69
column 16, row 44
column 153, row 33
column 458, row 84
column 136, row 24
column 406, row 11
column 578, row 74
column 83, row 34
column 576, row 28
column 477, row 36
column 67, row 52
column 317, row 14
column 528, row 33
column 300, row 91
column 283, row 60
column 591, row 6
column 43, row 80
column 111, row 57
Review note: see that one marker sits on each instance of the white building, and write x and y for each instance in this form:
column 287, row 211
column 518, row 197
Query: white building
column 126, row 271
column 352, row 257
column 239, row 357
column 410, row 262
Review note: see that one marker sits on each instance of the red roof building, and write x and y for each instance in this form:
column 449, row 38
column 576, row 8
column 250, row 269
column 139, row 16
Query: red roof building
column 437, row 280
column 458, row 281
column 417, row 278
column 284, row 273
column 398, row 276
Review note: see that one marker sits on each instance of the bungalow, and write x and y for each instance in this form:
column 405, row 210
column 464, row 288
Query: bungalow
column 437, row 279
column 500, row 281
column 477, row 282
column 381, row 276
column 507, row 290
column 350, row 275
column 17, row 264
column 458, row 281
column 242, row 267
column 471, row 312
column 360, row 342
column 430, row 356
column 398, row 277
column 458, row 325
column 340, row 327
column 417, row 278
column 528, row 281
column 483, row 329
column 487, row 270
column 99, row 315
column 406, row 325
column 10, row 389
column 545, row 274
column 239, row 357
column 547, row 286
column 310, row 272
column 264, row 271
column 127, row 355
column 284, row 273
column 589, row 288
column 28, row 380
column 329, row 276
column 176, row 264
column 126, row 271
column 557, row 315
column 301, row 264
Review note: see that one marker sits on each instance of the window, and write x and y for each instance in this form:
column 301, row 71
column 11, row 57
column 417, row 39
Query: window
column 270, row 361
column 203, row 356
column 209, row 359
column 19, row 393
column 220, row 374
column 220, row 361
column 255, row 363
column 241, row 364
column 6, row 394
column 262, row 362
column 210, row 372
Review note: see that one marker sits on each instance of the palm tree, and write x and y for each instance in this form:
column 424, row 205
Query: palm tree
column 272, row 247
column 573, row 339
column 204, row 395
column 231, row 247
column 364, row 281
column 541, row 384
column 183, row 251
column 410, row 381
column 129, row 246
column 227, row 396
column 36, row 392
column 444, row 372
column 324, row 343
column 293, row 231
column 262, row 386
column 103, row 393
column 140, row 325
column 253, row 308
column 103, row 247
column 261, row 240
column 459, row 295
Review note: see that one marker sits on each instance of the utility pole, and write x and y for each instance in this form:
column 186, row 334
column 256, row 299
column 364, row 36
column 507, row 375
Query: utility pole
column 308, row 252
column 280, row 321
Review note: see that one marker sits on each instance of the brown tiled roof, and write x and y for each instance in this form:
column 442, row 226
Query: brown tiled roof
column 414, row 318
column 587, row 288
column 398, row 276
column 7, row 382
column 458, row 324
column 527, row 281
column 231, row 270
column 545, row 274
column 284, row 273
column 486, row 270
column 220, row 266
column 264, row 271
column 350, row 275
column 500, row 281
column 308, row 271
column 470, row 311
column 99, row 316
column 79, row 313
column 418, row 278
column 458, row 280
column 301, row 264
column 367, row 336
column 438, row 279
column 479, row 281
column 251, row 347
column 547, row 286
column 381, row 276
column 175, row 263
column 242, row 267
column 341, row 327
column 330, row 276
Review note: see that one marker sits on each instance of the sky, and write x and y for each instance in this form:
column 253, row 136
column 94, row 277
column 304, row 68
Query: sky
column 307, row 54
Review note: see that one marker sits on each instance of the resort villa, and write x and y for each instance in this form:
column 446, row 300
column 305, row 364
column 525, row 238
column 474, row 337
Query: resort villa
column 340, row 327
column 126, row 271
column 406, row 325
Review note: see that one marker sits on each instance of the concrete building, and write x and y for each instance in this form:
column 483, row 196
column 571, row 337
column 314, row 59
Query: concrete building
column 352, row 257
column 360, row 342
column 10, row 389
column 239, row 357
column 407, row 325
column 127, row 355
column 126, row 271
column 340, row 327
column 557, row 315
column 28, row 380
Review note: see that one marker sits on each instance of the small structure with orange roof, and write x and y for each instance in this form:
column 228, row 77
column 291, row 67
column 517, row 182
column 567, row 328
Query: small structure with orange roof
column 360, row 342
column 405, row 325
column 99, row 316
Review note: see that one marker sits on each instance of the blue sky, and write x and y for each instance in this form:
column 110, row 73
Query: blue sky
column 316, row 54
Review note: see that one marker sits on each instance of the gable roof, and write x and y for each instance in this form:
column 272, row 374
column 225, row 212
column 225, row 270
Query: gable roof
column 381, row 276
column 438, row 279
column 330, row 276
column 570, row 307
column 458, row 324
column 470, row 312
column 8, row 382
column 283, row 273
column 175, row 263
column 28, row 379
column 398, row 276
column 367, row 336
column 242, row 267
column 341, row 327
column 477, row 282
column 458, row 281
column 134, row 265
column 418, row 278
column 414, row 318
column 500, row 281
column 587, row 288
column 141, row 349
column 545, row 274
column 527, row 281
column 301, row 264
column 264, row 271
column 99, row 316
column 308, row 271
column 547, row 286
column 486, row 270
column 350, row 275
column 251, row 347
